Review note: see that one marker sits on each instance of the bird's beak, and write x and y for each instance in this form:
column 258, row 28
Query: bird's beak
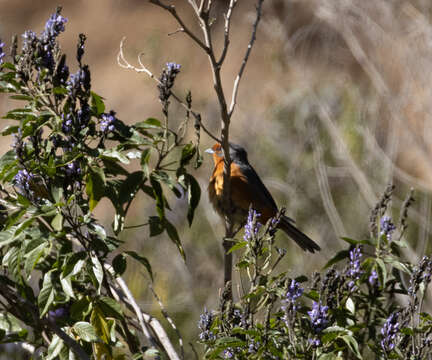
column 209, row 151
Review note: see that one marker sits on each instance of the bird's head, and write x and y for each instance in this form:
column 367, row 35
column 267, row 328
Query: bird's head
column 237, row 153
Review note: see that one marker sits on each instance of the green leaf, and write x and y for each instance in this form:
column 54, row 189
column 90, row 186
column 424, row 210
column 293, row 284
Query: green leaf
column 97, row 103
column 172, row 233
column 119, row 264
column 148, row 124
column 194, row 195
column 66, row 284
column 55, row 348
column 353, row 345
column 57, row 222
column 187, row 154
column 341, row 255
column 10, row 129
column 114, row 155
column 46, row 295
column 33, row 256
column 142, row 260
column 81, row 308
column 237, row 246
column 130, row 186
column 156, row 226
column 110, row 307
column 99, row 324
column 350, row 305
column 158, row 193
column 95, row 186
column 97, row 271
column 85, row 331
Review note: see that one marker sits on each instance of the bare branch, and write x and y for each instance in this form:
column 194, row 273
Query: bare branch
column 123, row 63
column 227, row 31
column 246, row 57
column 172, row 10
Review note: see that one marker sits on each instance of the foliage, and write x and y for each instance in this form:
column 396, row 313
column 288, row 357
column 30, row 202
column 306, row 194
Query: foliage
column 69, row 151
column 371, row 307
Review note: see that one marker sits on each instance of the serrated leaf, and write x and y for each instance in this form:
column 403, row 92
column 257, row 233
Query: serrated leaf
column 97, row 271
column 85, row 331
column 54, row 348
column 46, row 295
column 66, row 284
column 99, row 324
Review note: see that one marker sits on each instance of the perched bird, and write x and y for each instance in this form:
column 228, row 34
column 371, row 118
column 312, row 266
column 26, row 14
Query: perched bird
column 247, row 190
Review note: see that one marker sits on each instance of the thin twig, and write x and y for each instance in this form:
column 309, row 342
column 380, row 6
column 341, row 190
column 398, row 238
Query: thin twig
column 245, row 59
column 123, row 63
column 227, row 31
column 172, row 10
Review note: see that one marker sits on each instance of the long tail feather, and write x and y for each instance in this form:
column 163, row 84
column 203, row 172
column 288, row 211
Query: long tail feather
column 302, row 240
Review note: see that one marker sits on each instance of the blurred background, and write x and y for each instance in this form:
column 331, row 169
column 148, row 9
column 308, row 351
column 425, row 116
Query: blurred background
column 335, row 103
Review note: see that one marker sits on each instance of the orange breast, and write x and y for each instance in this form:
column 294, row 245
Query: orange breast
column 242, row 195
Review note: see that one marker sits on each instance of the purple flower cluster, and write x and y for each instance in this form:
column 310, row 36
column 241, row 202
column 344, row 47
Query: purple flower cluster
column 80, row 81
column 387, row 227
column 354, row 270
column 318, row 316
column 204, row 324
column 108, row 122
column 53, row 27
column 389, row 332
column 252, row 225
column 23, row 180
column 2, row 54
column 166, row 81
column 73, row 169
column 293, row 293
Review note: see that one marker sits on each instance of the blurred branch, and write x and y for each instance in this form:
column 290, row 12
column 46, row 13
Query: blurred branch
column 146, row 321
column 321, row 174
column 170, row 321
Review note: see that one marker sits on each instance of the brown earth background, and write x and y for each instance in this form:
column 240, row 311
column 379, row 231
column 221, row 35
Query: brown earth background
column 334, row 104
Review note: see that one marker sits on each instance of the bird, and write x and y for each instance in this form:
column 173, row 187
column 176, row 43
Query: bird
column 248, row 191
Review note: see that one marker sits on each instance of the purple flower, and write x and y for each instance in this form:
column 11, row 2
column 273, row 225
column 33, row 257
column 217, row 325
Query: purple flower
column 204, row 324
column 314, row 342
column 354, row 270
column 173, row 67
column 73, row 169
column 22, row 180
column 389, row 332
column 373, row 278
column 387, row 227
column 318, row 316
column 166, row 81
column 108, row 122
column 2, row 54
column 251, row 229
column 293, row 293
column 228, row 353
column 29, row 39
column 67, row 124
column 61, row 312
column 53, row 27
